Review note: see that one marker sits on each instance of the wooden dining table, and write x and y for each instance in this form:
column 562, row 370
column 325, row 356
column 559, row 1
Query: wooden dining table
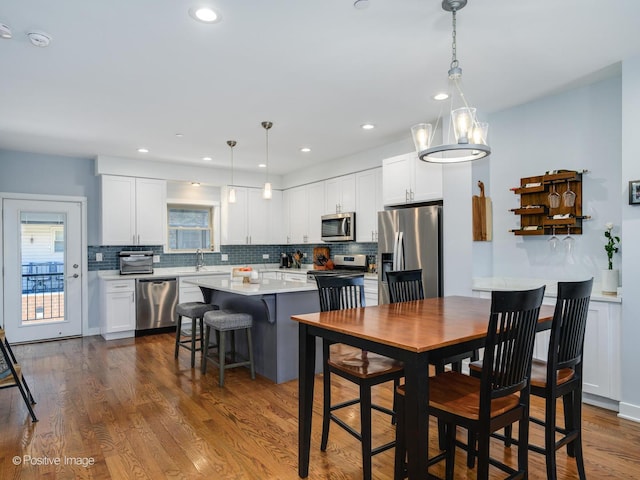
column 417, row 333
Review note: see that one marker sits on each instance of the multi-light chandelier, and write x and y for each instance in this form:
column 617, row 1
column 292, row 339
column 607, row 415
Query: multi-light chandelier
column 465, row 137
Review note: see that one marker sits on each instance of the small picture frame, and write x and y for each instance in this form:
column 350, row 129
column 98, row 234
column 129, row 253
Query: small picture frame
column 634, row 192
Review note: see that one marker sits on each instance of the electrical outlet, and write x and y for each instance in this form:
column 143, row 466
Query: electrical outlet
column 224, row 257
column 265, row 256
column 98, row 257
column 156, row 259
column 304, row 255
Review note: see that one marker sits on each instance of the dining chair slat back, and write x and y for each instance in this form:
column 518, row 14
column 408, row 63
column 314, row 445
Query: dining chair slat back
column 405, row 285
column 340, row 292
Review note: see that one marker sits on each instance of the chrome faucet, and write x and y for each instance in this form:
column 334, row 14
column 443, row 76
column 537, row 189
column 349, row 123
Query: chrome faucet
column 199, row 259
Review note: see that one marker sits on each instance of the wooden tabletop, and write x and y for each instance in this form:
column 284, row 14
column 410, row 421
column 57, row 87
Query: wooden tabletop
column 417, row 326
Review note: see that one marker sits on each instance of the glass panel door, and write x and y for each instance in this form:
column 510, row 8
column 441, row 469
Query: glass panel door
column 42, row 259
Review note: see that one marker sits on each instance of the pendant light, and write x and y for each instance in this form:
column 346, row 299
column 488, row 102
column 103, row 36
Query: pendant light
column 232, row 190
column 466, row 138
column 266, row 193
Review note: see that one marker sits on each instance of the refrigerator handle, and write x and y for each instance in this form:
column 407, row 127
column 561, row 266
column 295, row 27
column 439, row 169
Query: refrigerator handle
column 401, row 251
column 395, row 251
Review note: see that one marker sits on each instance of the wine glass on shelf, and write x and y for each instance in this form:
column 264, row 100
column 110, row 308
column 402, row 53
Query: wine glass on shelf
column 554, row 197
column 568, row 197
column 569, row 241
column 553, row 241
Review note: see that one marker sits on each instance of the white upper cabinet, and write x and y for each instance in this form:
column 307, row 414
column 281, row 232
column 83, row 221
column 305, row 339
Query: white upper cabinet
column 303, row 207
column 133, row 211
column 340, row 194
column 368, row 204
column 316, row 197
column 252, row 220
column 407, row 179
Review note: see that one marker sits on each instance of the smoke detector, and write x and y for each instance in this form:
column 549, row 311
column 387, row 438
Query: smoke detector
column 5, row 31
column 39, row 39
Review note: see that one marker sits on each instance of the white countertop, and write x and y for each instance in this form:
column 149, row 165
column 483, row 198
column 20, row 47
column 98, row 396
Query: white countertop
column 208, row 270
column 488, row 284
column 265, row 287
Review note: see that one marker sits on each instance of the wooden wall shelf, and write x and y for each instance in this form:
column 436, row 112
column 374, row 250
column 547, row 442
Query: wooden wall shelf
column 537, row 207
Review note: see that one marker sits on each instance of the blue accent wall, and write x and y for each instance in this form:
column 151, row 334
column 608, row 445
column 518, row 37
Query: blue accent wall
column 238, row 254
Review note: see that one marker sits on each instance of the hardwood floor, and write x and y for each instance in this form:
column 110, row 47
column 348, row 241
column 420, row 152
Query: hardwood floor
column 133, row 411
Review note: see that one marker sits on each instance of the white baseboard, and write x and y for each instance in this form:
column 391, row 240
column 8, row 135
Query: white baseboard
column 629, row 411
column 91, row 331
column 601, row 402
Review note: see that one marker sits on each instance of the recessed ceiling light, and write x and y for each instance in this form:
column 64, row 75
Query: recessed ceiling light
column 368, row 126
column 305, row 149
column 5, row 31
column 441, row 96
column 262, row 165
column 39, row 39
column 179, row 135
column 143, row 150
column 207, row 159
column 195, row 184
column 204, row 14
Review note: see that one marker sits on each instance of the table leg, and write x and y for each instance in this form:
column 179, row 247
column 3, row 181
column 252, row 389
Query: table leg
column 306, row 370
column 416, row 418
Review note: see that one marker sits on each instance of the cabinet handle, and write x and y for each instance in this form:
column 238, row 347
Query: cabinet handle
column 250, row 240
column 372, row 235
column 406, row 195
column 411, row 192
column 288, row 239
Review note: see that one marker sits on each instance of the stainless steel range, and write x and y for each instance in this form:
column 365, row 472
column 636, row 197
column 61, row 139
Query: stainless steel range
column 344, row 265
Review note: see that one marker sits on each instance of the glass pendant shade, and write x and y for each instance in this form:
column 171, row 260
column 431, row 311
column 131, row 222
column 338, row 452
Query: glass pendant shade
column 463, row 120
column 232, row 195
column 421, row 134
column 266, row 193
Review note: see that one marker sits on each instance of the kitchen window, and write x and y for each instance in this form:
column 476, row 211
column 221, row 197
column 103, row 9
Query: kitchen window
column 190, row 227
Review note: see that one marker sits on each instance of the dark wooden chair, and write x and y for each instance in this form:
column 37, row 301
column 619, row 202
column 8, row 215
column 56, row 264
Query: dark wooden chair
column 561, row 377
column 405, row 285
column 500, row 397
column 363, row 368
column 12, row 376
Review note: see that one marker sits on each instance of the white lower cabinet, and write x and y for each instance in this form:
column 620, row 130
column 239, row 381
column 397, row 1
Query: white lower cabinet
column 118, row 312
column 371, row 292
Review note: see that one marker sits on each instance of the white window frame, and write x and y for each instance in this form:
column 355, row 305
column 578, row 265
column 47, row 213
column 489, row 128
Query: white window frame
column 215, row 222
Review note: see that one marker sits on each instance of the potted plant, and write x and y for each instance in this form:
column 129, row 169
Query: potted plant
column 610, row 276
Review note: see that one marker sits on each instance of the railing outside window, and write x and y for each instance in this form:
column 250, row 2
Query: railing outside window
column 42, row 291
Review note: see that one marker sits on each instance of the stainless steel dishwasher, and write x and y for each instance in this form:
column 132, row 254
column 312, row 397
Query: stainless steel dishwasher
column 156, row 301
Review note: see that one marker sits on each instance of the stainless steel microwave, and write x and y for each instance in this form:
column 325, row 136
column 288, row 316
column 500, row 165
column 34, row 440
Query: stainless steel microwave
column 339, row 227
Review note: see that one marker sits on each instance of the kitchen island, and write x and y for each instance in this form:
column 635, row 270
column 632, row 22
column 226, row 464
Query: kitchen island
column 271, row 303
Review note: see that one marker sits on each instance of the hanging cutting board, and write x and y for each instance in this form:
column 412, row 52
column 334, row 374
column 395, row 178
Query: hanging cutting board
column 481, row 216
column 322, row 252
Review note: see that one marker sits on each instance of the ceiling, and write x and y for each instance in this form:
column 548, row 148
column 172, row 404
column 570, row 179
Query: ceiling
column 125, row 74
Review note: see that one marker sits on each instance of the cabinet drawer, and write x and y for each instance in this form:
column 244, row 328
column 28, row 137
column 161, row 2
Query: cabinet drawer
column 120, row 286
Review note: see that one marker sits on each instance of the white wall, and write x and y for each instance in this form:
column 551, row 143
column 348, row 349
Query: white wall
column 352, row 163
column 576, row 130
column 630, row 246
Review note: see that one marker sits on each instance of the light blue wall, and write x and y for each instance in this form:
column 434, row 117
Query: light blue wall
column 36, row 173
column 630, row 405
column 576, row 130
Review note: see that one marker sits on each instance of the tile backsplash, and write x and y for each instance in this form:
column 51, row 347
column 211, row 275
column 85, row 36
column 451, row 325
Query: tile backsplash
column 237, row 254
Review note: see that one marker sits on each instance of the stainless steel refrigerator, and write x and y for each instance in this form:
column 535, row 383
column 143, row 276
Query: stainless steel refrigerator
column 408, row 239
